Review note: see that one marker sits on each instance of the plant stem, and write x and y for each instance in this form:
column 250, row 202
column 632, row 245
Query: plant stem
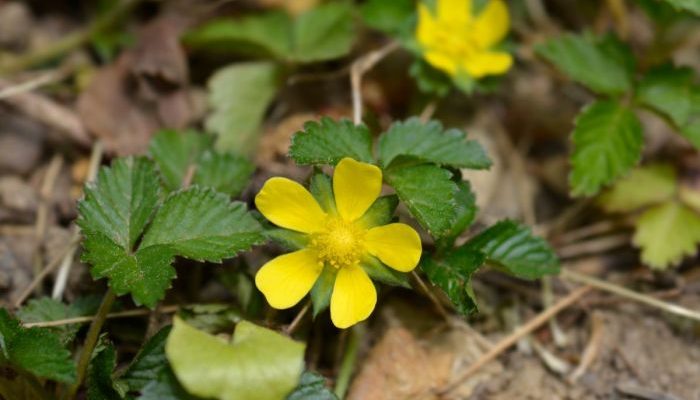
column 347, row 367
column 90, row 342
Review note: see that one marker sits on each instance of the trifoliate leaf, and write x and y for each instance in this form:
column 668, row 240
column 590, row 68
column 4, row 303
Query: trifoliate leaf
column 607, row 143
column 329, row 141
column 312, row 386
column 99, row 382
column 669, row 91
column 644, row 186
column 258, row 364
column 666, row 233
column 323, row 289
column 393, row 17
column 687, row 5
column 203, row 225
column 323, row 33
column 239, row 95
column 149, row 362
column 119, row 205
column 428, row 141
column 35, row 350
column 175, row 152
column 516, row 250
column 466, row 212
column 452, row 274
column 226, row 173
column 604, row 64
column 429, row 194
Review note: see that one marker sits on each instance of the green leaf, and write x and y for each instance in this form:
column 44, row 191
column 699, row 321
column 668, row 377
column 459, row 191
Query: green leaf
column 46, row 309
column 174, row 152
column 380, row 272
column 289, row 240
column 607, row 143
column 429, row 194
column 165, row 387
column 321, row 188
column 259, row 363
column 212, row 317
column 513, row 248
column 644, row 186
column 392, row 17
column 430, row 80
column 329, row 141
column 323, row 33
column 100, row 385
column 381, row 212
column 149, row 362
column 669, row 91
column 691, row 131
column 604, row 64
column 323, row 289
column 453, row 275
column 239, row 95
column 687, row 5
column 466, row 212
column 430, row 142
column 119, row 205
column 312, row 386
column 666, row 233
column 35, row 350
column 227, row 173
column 203, row 225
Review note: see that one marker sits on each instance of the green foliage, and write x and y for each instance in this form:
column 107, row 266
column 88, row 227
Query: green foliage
column 148, row 363
column 603, row 64
column 323, row 289
column 688, row 5
column 165, row 387
column 393, row 17
column 465, row 213
column 513, row 248
column 226, row 173
column 321, row 188
column 100, row 385
column 452, row 273
column 312, row 386
column 329, row 141
column 430, row 80
column 644, row 186
column 46, row 309
column 607, row 143
column 258, row 363
column 381, row 273
column 322, row 33
column 429, row 142
column 381, row 212
column 34, row 350
column 239, row 95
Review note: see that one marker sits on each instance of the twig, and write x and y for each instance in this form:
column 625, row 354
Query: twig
column 120, row 314
column 429, row 110
column 347, row 367
column 513, row 338
column 587, row 231
column 594, row 246
column 433, row 299
column 32, row 84
column 630, row 294
column 360, row 67
column 295, row 322
column 592, row 348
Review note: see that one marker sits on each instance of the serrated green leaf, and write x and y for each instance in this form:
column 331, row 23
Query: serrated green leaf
column 516, row 250
column 668, row 90
column 429, row 194
column 466, row 212
column 666, row 233
column 312, row 386
column 227, row 173
column 35, row 350
column 453, row 273
column 329, row 141
column 203, row 225
column 604, row 64
column 644, row 186
column 323, row 289
column 687, row 5
column 381, row 212
column 119, row 205
column 239, row 95
column 428, row 141
column 165, row 387
column 380, row 272
column 46, row 309
column 323, row 33
column 99, row 382
column 149, row 362
column 607, row 143
column 259, row 363
column 392, row 17
column 174, row 152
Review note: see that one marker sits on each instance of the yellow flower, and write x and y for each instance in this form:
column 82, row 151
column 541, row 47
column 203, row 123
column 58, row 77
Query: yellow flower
column 340, row 239
column 455, row 41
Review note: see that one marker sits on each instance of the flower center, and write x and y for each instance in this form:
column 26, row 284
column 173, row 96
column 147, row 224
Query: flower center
column 340, row 244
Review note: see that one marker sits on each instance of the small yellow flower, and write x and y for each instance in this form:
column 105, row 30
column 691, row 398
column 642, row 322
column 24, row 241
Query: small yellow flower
column 455, row 41
column 341, row 239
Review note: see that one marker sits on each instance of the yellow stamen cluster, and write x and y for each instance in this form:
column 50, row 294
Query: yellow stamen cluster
column 341, row 244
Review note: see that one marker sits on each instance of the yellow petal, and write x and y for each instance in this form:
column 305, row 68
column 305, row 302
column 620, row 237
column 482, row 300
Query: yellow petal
column 427, row 27
column 396, row 245
column 492, row 24
column 442, row 61
column 286, row 279
column 454, row 12
column 289, row 205
column 488, row 63
column 353, row 298
column 356, row 186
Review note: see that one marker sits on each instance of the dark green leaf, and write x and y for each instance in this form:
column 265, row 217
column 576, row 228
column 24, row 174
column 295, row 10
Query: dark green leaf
column 165, row 387
column 329, row 141
column 514, row 248
column 175, row 152
column 46, row 309
column 226, row 173
column 323, row 33
column 466, row 212
column 607, row 143
column 149, row 362
column 312, row 386
column 669, row 91
column 430, row 142
column 392, row 17
column 100, row 385
column 430, row 80
column 453, row 275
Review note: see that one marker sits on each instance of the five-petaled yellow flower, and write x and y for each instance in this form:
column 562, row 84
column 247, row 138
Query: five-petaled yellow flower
column 458, row 42
column 340, row 238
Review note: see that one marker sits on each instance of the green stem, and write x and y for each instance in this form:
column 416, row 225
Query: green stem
column 90, row 342
column 69, row 42
column 347, row 367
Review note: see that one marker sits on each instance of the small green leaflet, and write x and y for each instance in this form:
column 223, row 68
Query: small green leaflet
column 312, row 386
column 666, row 233
column 607, row 143
column 239, row 95
column 258, row 363
column 452, row 273
column 604, row 64
column 644, row 186
column 687, row 5
column 516, row 250
column 429, row 142
column 35, row 350
column 329, row 141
